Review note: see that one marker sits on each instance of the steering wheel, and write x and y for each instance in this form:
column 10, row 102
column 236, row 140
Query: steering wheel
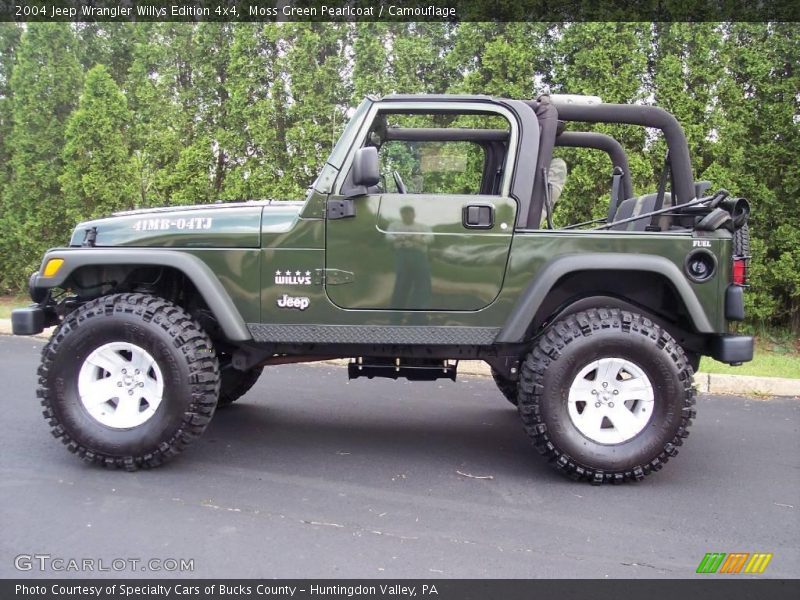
column 398, row 181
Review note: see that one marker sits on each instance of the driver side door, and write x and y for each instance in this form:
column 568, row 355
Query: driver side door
column 427, row 240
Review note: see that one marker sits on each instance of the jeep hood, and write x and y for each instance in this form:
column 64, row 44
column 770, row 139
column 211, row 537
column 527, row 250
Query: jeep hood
column 233, row 225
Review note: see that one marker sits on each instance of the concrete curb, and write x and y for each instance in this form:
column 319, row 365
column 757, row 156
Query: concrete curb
column 708, row 383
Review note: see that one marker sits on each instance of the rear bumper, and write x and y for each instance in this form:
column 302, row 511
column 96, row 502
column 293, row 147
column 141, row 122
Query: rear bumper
column 732, row 349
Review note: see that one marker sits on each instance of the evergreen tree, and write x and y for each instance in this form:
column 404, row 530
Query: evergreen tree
column 613, row 70
column 98, row 173
column 45, row 85
column 9, row 39
column 756, row 157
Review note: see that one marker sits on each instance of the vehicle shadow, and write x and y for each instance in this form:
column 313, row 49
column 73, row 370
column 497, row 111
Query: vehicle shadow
column 313, row 439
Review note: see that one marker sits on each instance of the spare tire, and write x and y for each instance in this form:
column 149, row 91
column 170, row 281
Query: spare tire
column 741, row 241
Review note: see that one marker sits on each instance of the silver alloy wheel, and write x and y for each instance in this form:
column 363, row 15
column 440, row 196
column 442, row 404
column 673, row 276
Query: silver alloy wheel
column 120, row 385
column 611, row 400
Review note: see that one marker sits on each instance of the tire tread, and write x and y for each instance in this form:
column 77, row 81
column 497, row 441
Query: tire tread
column 549, row 347
column 188, row 337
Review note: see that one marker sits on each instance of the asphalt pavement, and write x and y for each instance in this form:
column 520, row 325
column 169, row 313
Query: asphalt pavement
column 311, row 476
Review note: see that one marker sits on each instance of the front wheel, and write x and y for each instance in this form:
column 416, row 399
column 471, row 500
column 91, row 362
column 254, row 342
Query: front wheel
column 234, row 383
column 606, row 395
column 128, row 381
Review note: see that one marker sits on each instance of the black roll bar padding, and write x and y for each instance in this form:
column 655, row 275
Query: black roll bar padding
column 547, row 116
column 606, row 143
column 647, row 116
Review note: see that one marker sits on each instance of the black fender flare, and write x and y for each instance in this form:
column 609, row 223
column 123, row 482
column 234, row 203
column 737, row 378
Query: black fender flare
column 198, row 272
column 516, row 326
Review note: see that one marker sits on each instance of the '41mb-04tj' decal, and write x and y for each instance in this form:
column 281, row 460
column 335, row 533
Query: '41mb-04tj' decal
column 166, row 224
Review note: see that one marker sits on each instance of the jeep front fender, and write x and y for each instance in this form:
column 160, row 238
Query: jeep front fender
column 210, row 288
column 522, row 316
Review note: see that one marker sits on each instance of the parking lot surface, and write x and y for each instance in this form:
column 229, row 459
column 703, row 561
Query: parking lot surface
column 311, row 476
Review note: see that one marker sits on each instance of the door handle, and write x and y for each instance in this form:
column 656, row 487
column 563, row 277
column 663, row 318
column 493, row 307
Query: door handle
column 478, row 216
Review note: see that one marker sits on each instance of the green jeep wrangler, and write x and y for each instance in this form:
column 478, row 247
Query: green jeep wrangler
column 427, row 238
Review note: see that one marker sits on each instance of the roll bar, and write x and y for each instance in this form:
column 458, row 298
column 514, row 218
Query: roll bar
column 647, row 116
column 606, row 143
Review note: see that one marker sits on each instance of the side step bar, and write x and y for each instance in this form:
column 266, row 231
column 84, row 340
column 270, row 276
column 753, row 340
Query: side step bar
column 411, row 369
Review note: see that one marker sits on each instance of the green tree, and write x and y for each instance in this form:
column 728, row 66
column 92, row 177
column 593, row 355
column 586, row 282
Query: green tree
column 318, row 98
column 9, row 39
column 45, row 85
column 755, row 155
column 98, row 173
column 613, row 70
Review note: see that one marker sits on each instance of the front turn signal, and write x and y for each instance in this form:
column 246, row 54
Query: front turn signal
column 52, row 266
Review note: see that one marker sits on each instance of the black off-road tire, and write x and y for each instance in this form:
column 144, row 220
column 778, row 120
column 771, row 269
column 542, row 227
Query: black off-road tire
column 741, row 241
column 507, row 387
column 183, row 352
column 234, row 384
column 559, row 355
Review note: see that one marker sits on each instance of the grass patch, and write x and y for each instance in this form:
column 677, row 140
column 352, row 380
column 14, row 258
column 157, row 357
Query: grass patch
column 9, row 303
column 772, row 358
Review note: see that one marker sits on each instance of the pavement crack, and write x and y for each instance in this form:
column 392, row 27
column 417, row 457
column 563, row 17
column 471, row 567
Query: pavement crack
column 649, row 566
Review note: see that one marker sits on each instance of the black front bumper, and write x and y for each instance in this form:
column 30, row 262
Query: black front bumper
column 732, row 349
column 29, row 320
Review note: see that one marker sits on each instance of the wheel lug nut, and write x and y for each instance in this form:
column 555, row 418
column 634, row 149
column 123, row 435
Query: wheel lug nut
column 124, row 371
column 119, row 384
column 597, row 405
column 615, row 392
column 594, row 392
column 610, row 405
column 605, row 384
column 130, row 392
column 141, row 384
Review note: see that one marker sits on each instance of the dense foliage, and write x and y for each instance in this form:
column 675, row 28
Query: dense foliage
column 99, row 117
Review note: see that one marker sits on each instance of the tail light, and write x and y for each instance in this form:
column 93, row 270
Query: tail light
column 739, row 274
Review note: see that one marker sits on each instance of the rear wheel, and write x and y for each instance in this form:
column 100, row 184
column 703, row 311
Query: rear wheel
column 606, row 395
column 128, row 381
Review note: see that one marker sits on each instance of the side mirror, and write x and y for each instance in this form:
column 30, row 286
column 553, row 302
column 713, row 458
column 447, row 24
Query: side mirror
column 366, row 169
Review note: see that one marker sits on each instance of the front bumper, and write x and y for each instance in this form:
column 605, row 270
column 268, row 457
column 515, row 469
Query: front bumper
column 33, row 319
column 732, row 349
column 28, row 321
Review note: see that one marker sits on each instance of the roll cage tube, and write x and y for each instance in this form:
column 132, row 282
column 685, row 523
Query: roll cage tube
column 647, row 116
column 547, row 116
column 606, row 143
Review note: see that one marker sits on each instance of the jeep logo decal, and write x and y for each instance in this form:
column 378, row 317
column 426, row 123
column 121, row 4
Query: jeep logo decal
column 299, row 302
